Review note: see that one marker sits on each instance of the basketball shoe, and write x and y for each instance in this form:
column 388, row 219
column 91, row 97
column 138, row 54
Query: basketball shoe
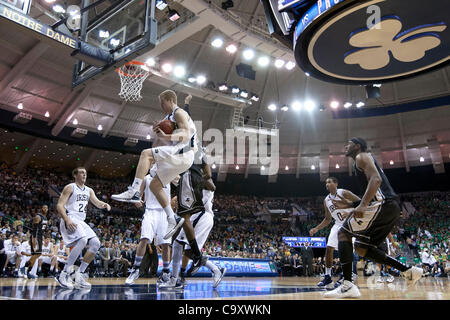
column 80, row 281
column 173, row 226
column 218, row 277
column 326, row 282
column 132, row 277
column 346, row 290
column 131, row 196
column 64, row 280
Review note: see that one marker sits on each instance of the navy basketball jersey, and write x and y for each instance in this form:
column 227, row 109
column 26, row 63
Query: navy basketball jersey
column 384, row 192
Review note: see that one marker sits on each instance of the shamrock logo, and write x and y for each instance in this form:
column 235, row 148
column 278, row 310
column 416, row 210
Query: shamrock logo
column 384, row 40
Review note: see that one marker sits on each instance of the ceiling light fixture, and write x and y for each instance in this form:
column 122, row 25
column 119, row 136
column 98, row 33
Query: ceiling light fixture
column 272, row 107
column 161, row 4
column 167, row 67
column 290, row 65
column 347, row 105
column 217, row 43
column 201, row 79
column 297, row 105
column 231, row 48
column 248, row 54
column 173, row 15
column 264, row 61
column 334, row 104
column 279, row 63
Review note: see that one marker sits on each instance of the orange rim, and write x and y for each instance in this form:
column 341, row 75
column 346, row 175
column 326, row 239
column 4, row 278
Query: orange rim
column 133, row 62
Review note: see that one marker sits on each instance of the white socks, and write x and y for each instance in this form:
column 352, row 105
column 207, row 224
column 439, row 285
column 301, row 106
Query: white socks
column 177, row 255
column 328, row 271
column 136, row 184
column 75, row 253
column 169, row 212
column 35, row 267
column 83, row 266
column 211, row 266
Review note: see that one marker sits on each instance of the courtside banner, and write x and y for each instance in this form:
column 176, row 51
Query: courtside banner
column 235, row 267
column 30, row 24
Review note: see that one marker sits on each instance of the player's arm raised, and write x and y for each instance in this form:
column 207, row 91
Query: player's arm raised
column 364, row 162
column 325, row 222
column 99, row 204
column 67, row 191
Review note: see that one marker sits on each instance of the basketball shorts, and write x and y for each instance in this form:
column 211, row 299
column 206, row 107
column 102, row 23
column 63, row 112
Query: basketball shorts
column 190, row 193
column 45, row 259
column 60, row 260
column 170, row 163
column 202, row 223
column 24, row 261
column 12, row 258
column 375, row 225
column 154, row 226
column 333, row 236
column 82, row 230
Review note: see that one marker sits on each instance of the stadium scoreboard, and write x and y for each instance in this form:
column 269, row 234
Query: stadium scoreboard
column 298, row 242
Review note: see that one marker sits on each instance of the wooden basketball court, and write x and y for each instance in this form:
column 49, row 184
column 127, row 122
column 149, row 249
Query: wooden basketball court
column 231, row 288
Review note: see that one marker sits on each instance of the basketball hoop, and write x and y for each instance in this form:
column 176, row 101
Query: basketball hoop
column 132, row 75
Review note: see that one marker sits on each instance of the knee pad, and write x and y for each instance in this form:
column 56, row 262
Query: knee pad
column 94, row 244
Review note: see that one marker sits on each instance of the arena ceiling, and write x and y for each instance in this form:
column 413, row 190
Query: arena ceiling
column 39, row 77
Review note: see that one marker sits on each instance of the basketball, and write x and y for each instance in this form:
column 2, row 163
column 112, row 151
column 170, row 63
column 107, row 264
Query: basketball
column 167, row 126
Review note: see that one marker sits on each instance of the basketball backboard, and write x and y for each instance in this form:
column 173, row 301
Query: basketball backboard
column 122, row 29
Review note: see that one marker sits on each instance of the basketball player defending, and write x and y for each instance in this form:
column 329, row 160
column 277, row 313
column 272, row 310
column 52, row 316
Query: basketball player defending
column 72, row 206
column 154, row 223
column 339, row 216
column 171, row 160
column 202, row 223
column 370, row 222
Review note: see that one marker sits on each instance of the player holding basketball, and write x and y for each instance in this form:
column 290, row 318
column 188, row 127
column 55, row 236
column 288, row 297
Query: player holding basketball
column 72, row 206
column 371, row 220
column 339, row 216
column 171, row 160
column 154, row 223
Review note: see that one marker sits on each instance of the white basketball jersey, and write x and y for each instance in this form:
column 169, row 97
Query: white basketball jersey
column 25, row 247
column 192, row 133
column 208, row 197
column 337, row 214
column 78, row 201
column 62, row 252
column 47, row 249
column 150, row 200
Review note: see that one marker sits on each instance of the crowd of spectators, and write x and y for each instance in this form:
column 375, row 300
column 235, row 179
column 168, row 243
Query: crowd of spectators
column 244, row 227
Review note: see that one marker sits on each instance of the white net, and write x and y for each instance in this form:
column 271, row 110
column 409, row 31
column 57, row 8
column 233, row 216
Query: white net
column 132, row 76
